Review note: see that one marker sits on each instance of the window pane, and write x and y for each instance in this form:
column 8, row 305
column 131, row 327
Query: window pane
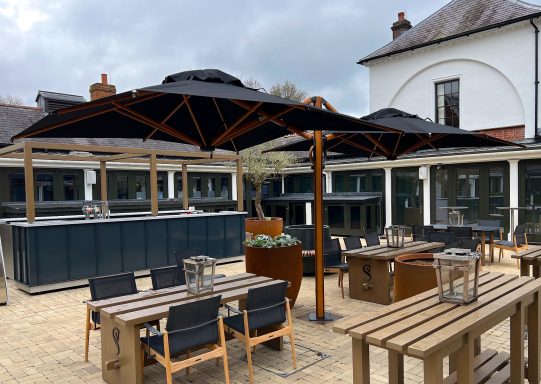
column 16, row 187
column 211, row 187
column 44, row 186
column 160, row 186
column 122, row 187
column 468, row 192
column 440, row 89
column 71, row 191
column 447, row 102
column 454, row 87
column 196, row 187
column 441, row 101
column 448, row 88
column 179, row 186
column 224, row 182
column 140, row 187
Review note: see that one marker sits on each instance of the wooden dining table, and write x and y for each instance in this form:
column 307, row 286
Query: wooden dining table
column 369, row 269
column 425, row 328
column 123, row 317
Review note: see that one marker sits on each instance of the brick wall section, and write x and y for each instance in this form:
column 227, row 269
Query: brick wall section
column 507, row 133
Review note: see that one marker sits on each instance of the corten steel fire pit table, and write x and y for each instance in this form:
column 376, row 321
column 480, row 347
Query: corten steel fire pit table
column 123, row 317
column 369, row 277
column 425, row 328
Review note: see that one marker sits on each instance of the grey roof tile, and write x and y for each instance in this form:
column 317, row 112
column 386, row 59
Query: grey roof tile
column 454, row 19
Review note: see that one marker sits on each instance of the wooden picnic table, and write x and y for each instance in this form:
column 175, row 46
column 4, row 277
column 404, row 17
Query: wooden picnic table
column 369, row 277
column 123, row 317
column 426, row 329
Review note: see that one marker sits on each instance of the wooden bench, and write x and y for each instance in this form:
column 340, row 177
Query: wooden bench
column 530, row 257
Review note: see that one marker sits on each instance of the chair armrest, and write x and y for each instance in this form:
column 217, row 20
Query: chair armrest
column 233, row 309
column 152, row 329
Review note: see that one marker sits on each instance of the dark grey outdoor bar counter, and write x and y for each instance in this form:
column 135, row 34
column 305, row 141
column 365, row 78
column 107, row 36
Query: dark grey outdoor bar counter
column 57, row 254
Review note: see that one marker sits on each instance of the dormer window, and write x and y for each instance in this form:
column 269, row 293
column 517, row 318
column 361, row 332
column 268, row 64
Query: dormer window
column 447, row 103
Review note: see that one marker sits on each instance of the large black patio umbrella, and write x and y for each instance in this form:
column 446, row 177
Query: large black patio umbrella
column 416, row 134
column 208, row 109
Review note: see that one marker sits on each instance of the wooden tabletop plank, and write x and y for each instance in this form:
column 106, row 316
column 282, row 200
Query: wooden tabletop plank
column 532, row 253
column 409, row 329
column 345, row 325
column 150, row 294
column 466, row 324
column 387, row 253
column 159, row 312
column 171, row 298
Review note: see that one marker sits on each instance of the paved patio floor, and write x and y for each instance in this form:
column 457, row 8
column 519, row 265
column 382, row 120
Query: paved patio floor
column 42, row 341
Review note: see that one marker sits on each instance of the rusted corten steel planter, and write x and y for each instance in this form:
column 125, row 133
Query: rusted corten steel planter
column 272, row 227
column 410, row 277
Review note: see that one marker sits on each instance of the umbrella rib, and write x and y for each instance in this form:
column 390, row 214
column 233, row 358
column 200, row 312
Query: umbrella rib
column 364, row 148
column 223, row 121
column 224, row 135
column 165, row 120
column 100, row 102
column 424, row 142
column 232, row 134
column 195, row 121
column 164, row 128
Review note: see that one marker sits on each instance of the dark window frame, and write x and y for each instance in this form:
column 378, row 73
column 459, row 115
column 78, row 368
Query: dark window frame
column 451, row 102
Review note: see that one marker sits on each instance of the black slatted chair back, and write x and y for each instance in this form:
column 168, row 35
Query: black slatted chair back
column 107, row 287
column 266, row 305
column 186, row 253
column 470, row 244
column 420, row 232
column 461, row 233
column 371, row 238
column 167, row 277
column 352, row 242
column 193, row 324
column 489, row 222
column 520, row 234
column 332, row 252
column 448, row 238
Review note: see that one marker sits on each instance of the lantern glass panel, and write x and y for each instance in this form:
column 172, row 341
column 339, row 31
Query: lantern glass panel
column 456, row 218
column 395, row 236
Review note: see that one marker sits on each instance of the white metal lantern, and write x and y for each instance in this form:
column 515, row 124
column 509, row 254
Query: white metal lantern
column 457, row 272
column 395, row 236
column 456, row 218
column 199, row 272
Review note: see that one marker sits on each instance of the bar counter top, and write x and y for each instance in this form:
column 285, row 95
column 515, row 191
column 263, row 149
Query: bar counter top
column 79, row 219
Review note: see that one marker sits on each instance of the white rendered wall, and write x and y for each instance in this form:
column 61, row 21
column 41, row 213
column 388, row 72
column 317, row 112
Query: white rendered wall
column 496, row 72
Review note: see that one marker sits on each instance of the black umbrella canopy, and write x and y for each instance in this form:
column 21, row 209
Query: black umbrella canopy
column 207, row 108
column 415, row 134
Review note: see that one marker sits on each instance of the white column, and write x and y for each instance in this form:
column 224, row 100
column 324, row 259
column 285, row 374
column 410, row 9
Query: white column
column 426, row 197
column 308, row 208
column 388, row 197
column 170, row 184
column 513, row 191
column 283, row 184
column 234, row 186
column 88, row 184
column 328, row 181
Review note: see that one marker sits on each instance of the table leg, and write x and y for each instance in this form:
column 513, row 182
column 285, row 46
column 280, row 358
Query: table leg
column 525, row 268
column 534, row 339
column 464, row 361
column 491, row 247
column 517, row 345
column 120, row 353
column 361, row 362
column 483, row 242
column 433, row 368
column 396, row 368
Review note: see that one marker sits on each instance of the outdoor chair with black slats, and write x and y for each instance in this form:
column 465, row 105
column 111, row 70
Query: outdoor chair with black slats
column 490, row 223
column 470, row 244
column 106, row 287
column 519, row 242
column 266, row 307
column 448, row 238
column 334, row 262
column 371, row 238
column 352, row 242
column 186, row 253
column 420, row 232
column 190, row 326
column 167, row 277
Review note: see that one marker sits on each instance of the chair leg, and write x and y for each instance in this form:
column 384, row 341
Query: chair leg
column 142, row 361
column 188, row 355
column 291, row 337
column 341, row 282
column 222, row 344
column 87, row 332
column 248, row 347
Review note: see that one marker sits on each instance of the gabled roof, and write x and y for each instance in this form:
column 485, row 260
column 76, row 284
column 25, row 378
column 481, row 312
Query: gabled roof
column 60, row 96
column 456, row 19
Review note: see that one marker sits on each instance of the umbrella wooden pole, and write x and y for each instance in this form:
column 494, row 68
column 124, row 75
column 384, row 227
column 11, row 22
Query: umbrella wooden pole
column 153, row 185
column 103, row 180
column 29, row 184
column 185, row 196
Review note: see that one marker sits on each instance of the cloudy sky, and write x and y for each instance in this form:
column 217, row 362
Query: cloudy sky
column 64, row 45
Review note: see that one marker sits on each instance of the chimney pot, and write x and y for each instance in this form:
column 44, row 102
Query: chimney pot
column 104, row 78
column 400, row 17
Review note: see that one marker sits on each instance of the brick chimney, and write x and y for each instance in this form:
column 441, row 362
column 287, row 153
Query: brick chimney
column 103, row 89
column 400, row 26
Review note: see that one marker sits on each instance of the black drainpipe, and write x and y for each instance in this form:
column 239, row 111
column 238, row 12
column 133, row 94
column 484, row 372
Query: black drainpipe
column 536, row 76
